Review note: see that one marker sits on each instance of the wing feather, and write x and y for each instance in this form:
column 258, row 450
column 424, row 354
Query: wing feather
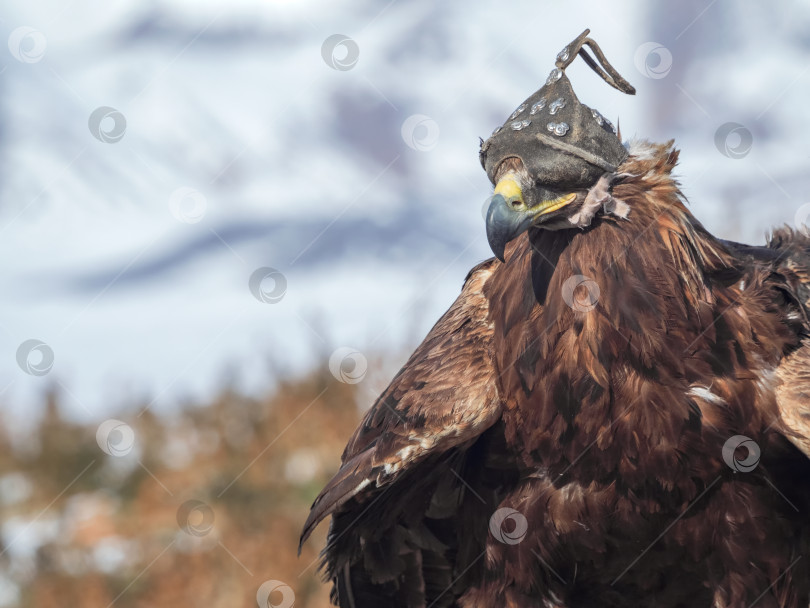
column 443, row 397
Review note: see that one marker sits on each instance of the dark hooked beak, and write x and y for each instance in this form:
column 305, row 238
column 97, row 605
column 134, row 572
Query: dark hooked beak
column 505, row 221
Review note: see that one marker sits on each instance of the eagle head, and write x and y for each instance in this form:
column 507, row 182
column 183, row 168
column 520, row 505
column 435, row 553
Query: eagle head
column 551, row 160
column 520, row 202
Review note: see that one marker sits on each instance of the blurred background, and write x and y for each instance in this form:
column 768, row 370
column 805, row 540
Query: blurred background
column 225, row 225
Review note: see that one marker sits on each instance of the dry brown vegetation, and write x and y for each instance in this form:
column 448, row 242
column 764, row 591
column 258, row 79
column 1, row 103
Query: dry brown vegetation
column 105, row 528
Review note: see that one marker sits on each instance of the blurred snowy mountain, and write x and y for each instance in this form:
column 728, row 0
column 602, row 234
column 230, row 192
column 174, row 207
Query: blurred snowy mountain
column 244, row 135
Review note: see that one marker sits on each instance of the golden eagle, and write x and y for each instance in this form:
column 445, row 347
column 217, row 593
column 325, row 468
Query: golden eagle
column 613, row 412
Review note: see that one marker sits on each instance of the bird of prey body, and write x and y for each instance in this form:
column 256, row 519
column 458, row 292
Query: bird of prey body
column 612, row 413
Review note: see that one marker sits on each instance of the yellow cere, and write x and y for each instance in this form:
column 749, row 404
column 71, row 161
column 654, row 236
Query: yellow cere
column 509, row 189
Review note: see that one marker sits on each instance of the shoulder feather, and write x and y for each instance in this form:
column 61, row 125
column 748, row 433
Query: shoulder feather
column 444, row 396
